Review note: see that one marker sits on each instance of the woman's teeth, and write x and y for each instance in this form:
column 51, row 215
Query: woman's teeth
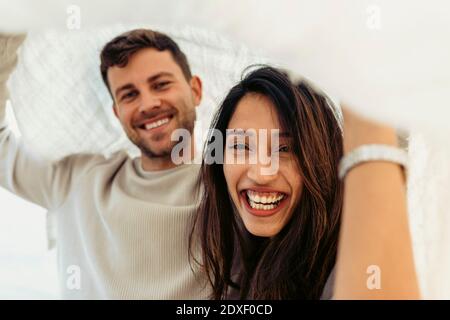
column 264, row 201
column 156, row 124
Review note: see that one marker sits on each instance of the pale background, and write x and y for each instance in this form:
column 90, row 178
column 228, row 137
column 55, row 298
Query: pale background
column 27, row 268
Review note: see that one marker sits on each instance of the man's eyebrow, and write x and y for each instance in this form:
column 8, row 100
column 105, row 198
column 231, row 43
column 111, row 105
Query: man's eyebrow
column 149, row 80
column 159, row 75
column 124, row 87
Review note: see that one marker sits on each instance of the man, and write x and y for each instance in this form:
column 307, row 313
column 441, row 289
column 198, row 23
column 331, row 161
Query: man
column 122, row 223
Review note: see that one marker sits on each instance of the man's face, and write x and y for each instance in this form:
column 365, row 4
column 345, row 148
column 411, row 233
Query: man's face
column 152, row 98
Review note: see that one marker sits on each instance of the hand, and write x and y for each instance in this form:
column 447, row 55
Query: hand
column 9, row 43
column 359, row 131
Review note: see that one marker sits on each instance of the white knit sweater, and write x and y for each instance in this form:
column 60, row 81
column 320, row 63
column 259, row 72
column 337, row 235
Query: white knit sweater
column 121, row 232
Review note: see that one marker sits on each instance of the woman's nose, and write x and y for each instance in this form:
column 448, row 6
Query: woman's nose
column 261, row 174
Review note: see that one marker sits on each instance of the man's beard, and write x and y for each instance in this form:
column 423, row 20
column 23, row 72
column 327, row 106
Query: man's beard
column 147, row 150
column 164, row 152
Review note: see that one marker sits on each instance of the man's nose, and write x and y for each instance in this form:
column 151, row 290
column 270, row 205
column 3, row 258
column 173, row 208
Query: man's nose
column 148, row 102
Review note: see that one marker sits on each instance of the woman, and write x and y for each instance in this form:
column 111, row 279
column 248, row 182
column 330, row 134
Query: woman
column 272, row 234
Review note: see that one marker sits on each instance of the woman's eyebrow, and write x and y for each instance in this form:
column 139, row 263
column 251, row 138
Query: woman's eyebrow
column 285, row 134
column 251, row 132
column 240, row 132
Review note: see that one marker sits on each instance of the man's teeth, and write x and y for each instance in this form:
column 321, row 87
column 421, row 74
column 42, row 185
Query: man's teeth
column 264, row 201
column 156, row 124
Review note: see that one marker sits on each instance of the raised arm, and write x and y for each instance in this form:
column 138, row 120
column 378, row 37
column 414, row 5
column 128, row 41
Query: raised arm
column 375, row 257
column 21, row 172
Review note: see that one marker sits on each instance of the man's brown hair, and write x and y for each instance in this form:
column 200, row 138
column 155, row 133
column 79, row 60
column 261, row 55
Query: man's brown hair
column 118, row 51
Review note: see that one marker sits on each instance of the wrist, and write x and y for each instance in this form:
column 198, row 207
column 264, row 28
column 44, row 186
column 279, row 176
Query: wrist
column 373, row 153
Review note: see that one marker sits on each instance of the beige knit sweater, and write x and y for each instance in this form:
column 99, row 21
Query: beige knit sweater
column 121, row 231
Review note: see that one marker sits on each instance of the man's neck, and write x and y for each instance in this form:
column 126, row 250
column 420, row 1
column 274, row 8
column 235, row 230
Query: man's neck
column 165, row 163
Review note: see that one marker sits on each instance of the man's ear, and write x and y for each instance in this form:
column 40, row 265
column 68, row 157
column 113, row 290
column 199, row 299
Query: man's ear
column 197, row 90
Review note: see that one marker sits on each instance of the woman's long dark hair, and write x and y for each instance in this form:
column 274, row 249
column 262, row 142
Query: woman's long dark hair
column 295, row 263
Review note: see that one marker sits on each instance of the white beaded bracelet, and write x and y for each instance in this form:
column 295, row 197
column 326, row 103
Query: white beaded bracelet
column 372, row 152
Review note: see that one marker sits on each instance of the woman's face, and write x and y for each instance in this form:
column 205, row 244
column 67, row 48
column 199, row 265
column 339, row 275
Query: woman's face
column 265, row 200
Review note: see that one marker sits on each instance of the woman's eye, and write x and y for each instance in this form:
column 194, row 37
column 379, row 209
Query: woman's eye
column 284, row 149
column 239, row 146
